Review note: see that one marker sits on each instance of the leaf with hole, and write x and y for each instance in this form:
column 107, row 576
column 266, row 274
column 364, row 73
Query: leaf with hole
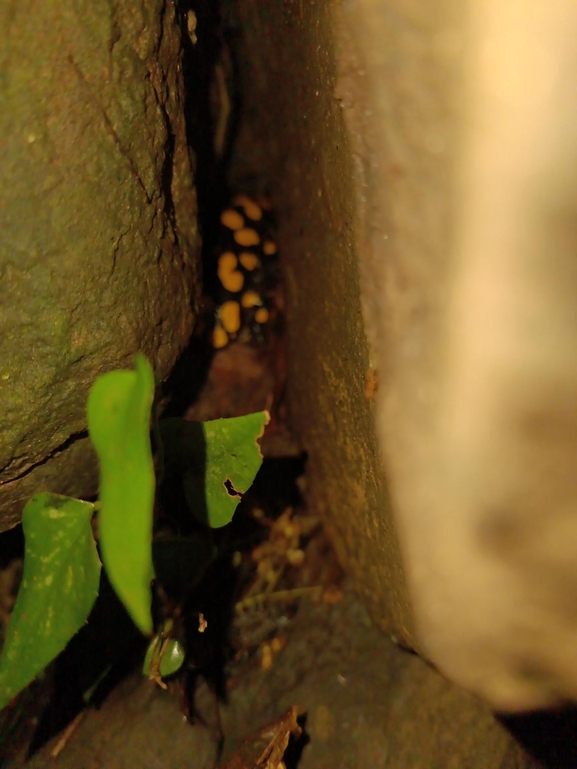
column 58, row 589
column 218, row 461
column 118, row 409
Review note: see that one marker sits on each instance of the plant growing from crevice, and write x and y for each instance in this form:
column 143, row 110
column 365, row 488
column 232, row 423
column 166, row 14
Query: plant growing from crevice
column 217, row 462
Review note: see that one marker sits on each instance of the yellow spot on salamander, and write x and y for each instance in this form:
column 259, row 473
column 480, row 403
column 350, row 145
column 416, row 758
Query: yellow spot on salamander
column 246, row 237
column 250, row 299
column 261, row 315
column 219, row 338
column 227, row 262
column 233, row 281
column 251, row 209
column 229, row 315
column 231, row 219
column 249, row 261
column 269, row 247
column 228, row 275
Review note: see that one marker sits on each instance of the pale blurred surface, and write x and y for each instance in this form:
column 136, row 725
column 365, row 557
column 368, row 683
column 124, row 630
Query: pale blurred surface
column 426, row 151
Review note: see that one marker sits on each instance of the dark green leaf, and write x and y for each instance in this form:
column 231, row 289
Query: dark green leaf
column 119, row 407
column 59, row 587
column 218, row 461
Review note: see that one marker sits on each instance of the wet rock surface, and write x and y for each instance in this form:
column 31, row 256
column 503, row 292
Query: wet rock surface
column 98, row 217
column 366, row 703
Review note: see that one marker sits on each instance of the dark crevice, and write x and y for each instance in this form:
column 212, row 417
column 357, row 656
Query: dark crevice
column 54, row 453
column 199, row 61
column 199, row 64
column 167, row 174
column 550, row 737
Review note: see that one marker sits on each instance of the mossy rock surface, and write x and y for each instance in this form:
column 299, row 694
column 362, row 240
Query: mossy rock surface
column 99, row 247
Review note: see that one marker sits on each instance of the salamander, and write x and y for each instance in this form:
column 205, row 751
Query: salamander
column 247, row 271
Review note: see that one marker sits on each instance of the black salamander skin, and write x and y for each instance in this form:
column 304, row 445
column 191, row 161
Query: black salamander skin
column 247, row 270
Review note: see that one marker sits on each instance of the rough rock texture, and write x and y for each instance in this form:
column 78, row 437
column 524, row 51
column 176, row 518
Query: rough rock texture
column 97, row 214
column 430, row 147
column 289, row 61
column 469, row 174
column 368, row 705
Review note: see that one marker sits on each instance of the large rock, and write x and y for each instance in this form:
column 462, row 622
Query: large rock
column 290, row 63
column 98, row 245
column 470, row 286
column 424, row 154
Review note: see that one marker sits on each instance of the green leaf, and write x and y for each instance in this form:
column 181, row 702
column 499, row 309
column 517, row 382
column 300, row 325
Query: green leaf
column 218, row 461
column 118, row 408
column 233, row 458
column 165, row 654
column 58, row 589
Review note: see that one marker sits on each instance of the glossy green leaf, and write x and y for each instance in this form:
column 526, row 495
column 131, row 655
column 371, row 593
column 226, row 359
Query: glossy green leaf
column 218, row 461
column 168, row 654
column 118, row 408
column 233, row 458
column 58, row 589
